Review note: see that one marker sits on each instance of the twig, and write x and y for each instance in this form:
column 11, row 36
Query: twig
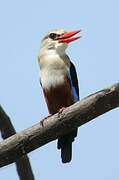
column 59, row 124
column 23, row 165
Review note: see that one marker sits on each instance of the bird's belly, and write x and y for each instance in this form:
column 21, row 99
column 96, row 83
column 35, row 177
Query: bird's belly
column 58, row 97
column 57, row 90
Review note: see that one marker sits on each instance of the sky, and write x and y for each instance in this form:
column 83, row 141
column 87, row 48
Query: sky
column 96, row 57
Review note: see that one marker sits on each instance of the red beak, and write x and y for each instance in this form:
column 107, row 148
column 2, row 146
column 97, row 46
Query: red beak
column 65, row 38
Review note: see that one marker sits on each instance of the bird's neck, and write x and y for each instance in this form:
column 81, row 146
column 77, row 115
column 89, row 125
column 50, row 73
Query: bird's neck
column 53, row 57
column 52, row 52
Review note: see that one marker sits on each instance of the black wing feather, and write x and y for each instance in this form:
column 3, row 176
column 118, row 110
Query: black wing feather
column 74, row 78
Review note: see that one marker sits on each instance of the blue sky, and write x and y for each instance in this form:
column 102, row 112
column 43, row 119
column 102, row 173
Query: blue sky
column 96, row 56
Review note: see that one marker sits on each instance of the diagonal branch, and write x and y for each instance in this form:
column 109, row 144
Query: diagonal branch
column 23, row 165
column 59, row 124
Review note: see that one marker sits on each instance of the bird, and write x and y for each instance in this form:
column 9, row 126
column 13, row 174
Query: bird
column 58, row 79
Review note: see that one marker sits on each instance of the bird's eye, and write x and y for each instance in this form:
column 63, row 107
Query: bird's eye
column 53, row 35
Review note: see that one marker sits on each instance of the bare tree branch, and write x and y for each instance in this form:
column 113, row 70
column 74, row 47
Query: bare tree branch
column 59, row 124
column 22, row 164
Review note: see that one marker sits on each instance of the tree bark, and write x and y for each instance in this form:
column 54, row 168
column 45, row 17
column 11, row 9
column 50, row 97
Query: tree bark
column 22, row 164
column 59, row 124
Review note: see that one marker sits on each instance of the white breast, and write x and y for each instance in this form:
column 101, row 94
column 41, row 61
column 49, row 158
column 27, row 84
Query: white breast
column 53, row 71
column 51, row 78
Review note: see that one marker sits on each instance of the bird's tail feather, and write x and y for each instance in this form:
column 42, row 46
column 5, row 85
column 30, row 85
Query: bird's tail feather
column 65, row 144
column 66, row 152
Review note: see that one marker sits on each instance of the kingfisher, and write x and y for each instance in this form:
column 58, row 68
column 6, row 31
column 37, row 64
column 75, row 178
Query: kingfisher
column 58, row 79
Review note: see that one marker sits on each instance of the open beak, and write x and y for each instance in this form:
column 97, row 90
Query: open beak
column 66, row 37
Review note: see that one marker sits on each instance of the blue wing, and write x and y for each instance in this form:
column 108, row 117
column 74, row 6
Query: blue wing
column 73, row 82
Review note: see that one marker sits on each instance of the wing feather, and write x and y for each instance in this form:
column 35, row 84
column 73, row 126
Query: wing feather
column 72, row 75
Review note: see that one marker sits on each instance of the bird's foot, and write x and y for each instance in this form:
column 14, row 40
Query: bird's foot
column 45, row 119
column 61, row 110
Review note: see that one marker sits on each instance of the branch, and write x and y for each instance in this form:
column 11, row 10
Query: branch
column 23, row 165
column 59, row 124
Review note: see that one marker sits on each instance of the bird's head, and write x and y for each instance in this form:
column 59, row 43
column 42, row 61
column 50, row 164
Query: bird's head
column 57, row 40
